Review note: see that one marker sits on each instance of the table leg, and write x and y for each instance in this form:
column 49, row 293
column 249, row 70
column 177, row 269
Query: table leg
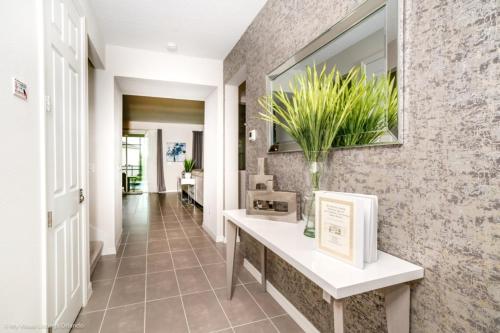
column 231, row 232
column 179, row 193
column 263, row 251
column 338, row 315
column 397, row 308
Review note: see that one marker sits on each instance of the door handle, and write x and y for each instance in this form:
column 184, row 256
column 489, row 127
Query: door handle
column 82, row 197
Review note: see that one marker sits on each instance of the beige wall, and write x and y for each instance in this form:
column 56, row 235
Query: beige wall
column 22, row 200
column 438, row 192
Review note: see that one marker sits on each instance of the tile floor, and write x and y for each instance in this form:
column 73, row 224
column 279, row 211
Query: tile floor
column 169, row 276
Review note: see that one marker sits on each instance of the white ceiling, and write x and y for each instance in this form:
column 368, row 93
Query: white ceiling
column 163, row 89
column 201, row 28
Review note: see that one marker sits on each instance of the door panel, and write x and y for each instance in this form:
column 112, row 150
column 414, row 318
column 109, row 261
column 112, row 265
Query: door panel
column 75, row 254
column 57, row 17
column 63, row 84
column 60, row 242
column 72, row 139
column 57, row 97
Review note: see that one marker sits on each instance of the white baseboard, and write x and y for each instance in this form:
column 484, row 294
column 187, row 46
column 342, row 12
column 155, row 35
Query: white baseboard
column 118, row 241
column 108, row 250
column 209, row 232
column 285, row 304
column 89, row 293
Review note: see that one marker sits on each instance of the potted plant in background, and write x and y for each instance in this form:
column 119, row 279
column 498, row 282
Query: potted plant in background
column 317, row 108
column 188, row 167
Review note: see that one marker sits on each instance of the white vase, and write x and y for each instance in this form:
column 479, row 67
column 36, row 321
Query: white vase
column 187, row 175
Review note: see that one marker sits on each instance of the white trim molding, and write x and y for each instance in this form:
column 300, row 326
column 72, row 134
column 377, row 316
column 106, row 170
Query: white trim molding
column 292, row 311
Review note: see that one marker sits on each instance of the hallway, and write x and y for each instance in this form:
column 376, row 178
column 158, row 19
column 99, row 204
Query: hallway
column 169, row 276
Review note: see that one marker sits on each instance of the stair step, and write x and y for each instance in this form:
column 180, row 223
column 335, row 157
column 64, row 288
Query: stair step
column 95, row 254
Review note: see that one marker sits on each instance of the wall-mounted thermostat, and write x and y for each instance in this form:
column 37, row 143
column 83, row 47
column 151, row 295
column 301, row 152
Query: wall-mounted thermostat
column 252, row 135
column 19, row 89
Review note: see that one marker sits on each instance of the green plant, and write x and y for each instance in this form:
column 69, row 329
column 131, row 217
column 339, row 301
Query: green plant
column 189, row 165
column 321, row 107
column 373, row 110
column 313, row 112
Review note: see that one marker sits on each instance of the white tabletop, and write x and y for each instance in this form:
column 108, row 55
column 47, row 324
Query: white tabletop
column 335, row 277
column 187, row 181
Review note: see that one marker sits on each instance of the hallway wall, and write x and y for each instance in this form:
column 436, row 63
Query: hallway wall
column 117, row 172
column 211, row 223
column 438, row 192
column 91, row 190
column 23, row 241
column 22, row 206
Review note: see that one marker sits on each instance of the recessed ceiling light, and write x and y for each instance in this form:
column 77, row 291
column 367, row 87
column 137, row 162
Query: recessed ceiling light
column 171, row 46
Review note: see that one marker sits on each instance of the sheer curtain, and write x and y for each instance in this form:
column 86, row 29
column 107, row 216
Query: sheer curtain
column 198, row 149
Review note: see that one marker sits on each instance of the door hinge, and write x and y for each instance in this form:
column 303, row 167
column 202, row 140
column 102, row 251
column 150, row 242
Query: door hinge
column 82, row 197
column 49, row 219
column 48, row 105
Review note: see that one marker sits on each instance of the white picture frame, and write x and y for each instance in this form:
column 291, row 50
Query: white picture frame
column 340, row 228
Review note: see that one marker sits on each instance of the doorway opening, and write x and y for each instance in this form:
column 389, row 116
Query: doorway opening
column 134, row 152
column 242, row 139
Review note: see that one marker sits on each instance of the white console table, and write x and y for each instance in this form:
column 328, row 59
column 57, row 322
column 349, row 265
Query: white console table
column 337, row 279
column 189, row 182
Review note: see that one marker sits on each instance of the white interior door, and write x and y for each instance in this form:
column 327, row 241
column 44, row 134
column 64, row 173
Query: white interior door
column 63, row 72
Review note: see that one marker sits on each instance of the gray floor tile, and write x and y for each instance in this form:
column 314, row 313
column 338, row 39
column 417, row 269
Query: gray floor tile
column 158, row 247
column 161, row 285
column 200, row 242
column 194, row 232
column 88, row 323
column 286, row 324
column 241, row 309
column 170, row 219
column 264, row 326
column 134, row 249
column 132, row 265
column 179, row 244
column 165, row 316
column 204, row 313
column 172, row 226
column 100, row 295
column 243, row 275
column 105, row 269
column 175, row 233
column 157, row 236
column 184, row 259
column 192, row 280
column 266, row 301
column 137, row 237
column 216, row 275
column 159, row 262
column 127, row 319
column 128, row 290
column 208, row 256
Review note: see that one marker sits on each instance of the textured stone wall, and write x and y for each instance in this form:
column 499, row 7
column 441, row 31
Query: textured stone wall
column 438, row 192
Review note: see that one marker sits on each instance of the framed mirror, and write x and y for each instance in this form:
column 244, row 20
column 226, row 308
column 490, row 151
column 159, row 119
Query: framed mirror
column 369, row 37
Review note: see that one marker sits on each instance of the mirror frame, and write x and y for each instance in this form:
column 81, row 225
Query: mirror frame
column 353, row 18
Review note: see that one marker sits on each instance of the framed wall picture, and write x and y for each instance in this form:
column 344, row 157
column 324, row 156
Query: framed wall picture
column 176, row 151
column 340, row 227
